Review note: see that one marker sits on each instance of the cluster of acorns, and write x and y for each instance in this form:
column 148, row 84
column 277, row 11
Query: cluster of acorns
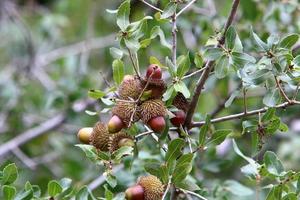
column 138, row 99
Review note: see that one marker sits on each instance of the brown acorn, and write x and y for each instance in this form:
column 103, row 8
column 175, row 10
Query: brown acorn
column 122, row 113
column 130, row 88
column 147, row 188
column 100, row 137
column 152, row 113
column 119, row 140
column 181, row 102
column 84, row 134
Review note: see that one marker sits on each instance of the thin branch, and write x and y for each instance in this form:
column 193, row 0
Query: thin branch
column 192, row 193
column 133, row 63
column 209, row 66
column 194, row 73
column 245, row 100
column 167, row 189
column 174, row 39
column 281, row 90
column 249, row 113
column 186, row 7
column 24, row 158
column 152, row 6
column 296, row 92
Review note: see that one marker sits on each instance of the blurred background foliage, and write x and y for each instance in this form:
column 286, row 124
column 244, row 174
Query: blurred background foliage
column 51, row 53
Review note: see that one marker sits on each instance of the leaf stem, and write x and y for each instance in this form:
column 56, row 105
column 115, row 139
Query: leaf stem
column 192, row 193
column 152, row 6
column 281, row 90
column 133, row 63
column 186, row 7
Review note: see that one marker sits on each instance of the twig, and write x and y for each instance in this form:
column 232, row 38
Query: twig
column 174, row 39
column 133, row 63
column 281, row 90
column 152, row 6
column 167, row 189
column 186, row 7
column 192, row 193
column 296, row 92
column 245, row 100
column 143, row 134
column 249, row 113
column 208, row 66
column 193, row 73
column 73, row 49
column 164, row 146
column 24, row 158
column 22, row 138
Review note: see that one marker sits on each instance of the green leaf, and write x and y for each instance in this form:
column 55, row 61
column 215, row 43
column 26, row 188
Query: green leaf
column 248, row 159
column 230, row 38
column 231, row 98
column 169, row 11
column 182, row 168
column 219, row 136
column 10, row 174
column 188, row 185
column 268, row 115
column 123, row 151
column 289, row 41
column 290, row 196
column 110, row 179
column 296, row 60
column 24, row 195
column 154, row 60
column 116, row 53
column 237, row 189
column 213, row 53
column 203, row 131
column 272, row 97
column 174, row 150
column 108, row 194
column 156, row 31
column 198, row 60
column 169, row 93
column 182, row 88
column 118, row 71
column 183, row 65
column 123, row 15
column 54, row 188
column 164, row 173
column 96, row 94
column 262, row 46
column 153, row 168
column 9, row 192
column 83, row 193
column 222, row 67
column 273, row 164
column 89, row 150
column 241, row 59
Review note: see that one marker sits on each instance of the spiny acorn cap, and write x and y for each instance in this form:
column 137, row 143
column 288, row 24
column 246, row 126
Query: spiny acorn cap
column 124, row 110
column 153, row 187
column 131, row 86
column 114, row 142
column 152, row 108
column 100, row 137
column 181, row 102
column 157, row 86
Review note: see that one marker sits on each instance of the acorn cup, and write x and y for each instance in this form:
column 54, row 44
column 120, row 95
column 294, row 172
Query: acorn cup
column 100, row 137
column 119, row 140
column 156, row 85
column 152, row 112
column 181, row 102
column 122, row 113
column 147, row 188
column 130, row 88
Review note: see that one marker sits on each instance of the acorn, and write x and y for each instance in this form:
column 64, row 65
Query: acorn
column 122, row 113
column 152, row 113
column 179, row 118
column 180, row 102
column 84, row 134
column 147, row 188
column 100, row 137
column 119, row 140
column 154, row 71
column 130, row 88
